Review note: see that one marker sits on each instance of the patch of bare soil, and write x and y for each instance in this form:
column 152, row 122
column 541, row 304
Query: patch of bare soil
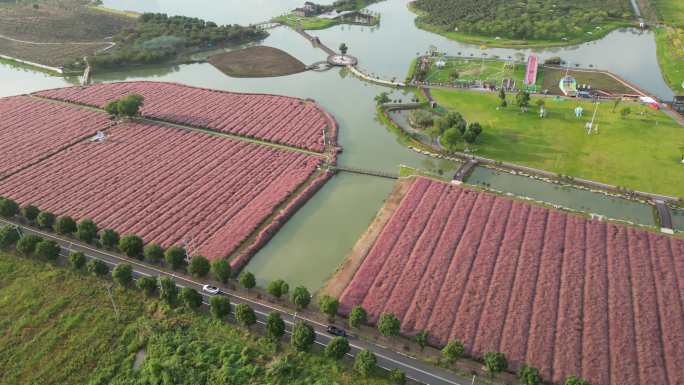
column 346, row 271
column 258, row 61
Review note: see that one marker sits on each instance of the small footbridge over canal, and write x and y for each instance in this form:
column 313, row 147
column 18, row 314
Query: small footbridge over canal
column 362, row 171
column 465, row 170
column 665, row 216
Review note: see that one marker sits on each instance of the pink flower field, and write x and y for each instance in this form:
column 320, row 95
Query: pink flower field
column 557, row 291
column 278, row 119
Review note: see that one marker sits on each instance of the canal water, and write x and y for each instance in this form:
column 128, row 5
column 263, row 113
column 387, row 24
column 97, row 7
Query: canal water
column 311, row 245
column 678, row 220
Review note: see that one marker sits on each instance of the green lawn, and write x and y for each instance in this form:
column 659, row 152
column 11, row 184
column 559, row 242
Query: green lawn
column 639, row 152
column 475, row 69
column 670, row 11
column 670, row 50
column 305, row 22
column 59, row 327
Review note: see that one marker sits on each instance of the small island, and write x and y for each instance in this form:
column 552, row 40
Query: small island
column 316, row 16
column 257, row 61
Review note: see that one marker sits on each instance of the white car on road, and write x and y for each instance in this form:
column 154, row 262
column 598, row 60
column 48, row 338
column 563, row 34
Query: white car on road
column 210, row 289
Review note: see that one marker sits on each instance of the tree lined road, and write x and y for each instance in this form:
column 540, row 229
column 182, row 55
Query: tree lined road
column 387, row 359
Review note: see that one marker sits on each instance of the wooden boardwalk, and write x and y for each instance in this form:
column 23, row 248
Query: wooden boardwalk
column 316, row 41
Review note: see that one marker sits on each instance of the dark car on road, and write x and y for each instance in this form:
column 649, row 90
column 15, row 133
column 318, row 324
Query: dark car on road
column 334, row 330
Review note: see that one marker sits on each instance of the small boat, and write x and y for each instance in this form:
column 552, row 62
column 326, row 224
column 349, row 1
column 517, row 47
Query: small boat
column 568, row 85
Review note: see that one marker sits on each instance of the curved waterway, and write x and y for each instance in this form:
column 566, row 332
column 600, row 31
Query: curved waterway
column 311, row 245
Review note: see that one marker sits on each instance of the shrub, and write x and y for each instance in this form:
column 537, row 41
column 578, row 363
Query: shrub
column 328, row 305
column 572, row 380
column 109, row 238
column 529, row 375
column 244, row 315
column 221, row 270
column 9, row 235
column 148, row 285
column 397, row 376
column 357, row 317
column 388, row 325
column 220, row 306
column 45, row 219
column 365, row 362
column 275, row 326
column 168, row 291
column 97, row 267
column 301, row 297
column 86, row 230
column 453, row 351
column 65, row 225
column 247, row 280
column 8, row 208
column 303, row 336
column 337, row 348
column 495, row 362
column 174, row 257
column 48, row 250
column 153, row 253
column 30, row 213
column 199, row 266
column 77, row 260
column 278, row 288
column 123, row 274
column 191, row 298
column 422, row 339
column 131, row 245
column 26, row 245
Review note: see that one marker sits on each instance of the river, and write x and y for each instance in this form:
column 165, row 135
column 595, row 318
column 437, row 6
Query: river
column 317, row 238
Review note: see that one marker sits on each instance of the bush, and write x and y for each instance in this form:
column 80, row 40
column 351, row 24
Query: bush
column 397, row 376
column 123, row 274
column 48, row 250
column 247, row 280
column 26, row 245
column 174, row 257
column 529, row 375
column 303, row 336
column 422, row 118
column 77, row 260
column 337, row 348
column 220, row 306
column 388, row 325
column 153, row 253
column 244, row 315
column 301, row 297
column 148, row 285
column 9, row 235
column 328, row 305
column 199, row 266
column 453, row 351
column 357, row 317
column 275, row 326
column 191, row 298
column 97, row 267
column 221, row 270
column 45, row 219
column 365, row 362
column 86, row 230
column 30, row 213
column 572, row 380
column 278, row 288
column 65, row 225
column 131, row 245
column 109, row 238
column 168, row 291
column 422, row 339
column 8, row 208
column 495, row 362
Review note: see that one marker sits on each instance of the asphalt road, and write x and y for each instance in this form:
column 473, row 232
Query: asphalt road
column 387, row 358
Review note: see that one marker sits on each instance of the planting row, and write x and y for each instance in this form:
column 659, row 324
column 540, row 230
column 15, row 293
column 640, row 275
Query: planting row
column 533, row 283
column 278, row 119
column 31, row 129
column 168, row 186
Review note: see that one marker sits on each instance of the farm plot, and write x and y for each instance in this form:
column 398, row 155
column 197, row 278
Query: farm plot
column 167, row 185
column 278, row 119
column 31, row 129
column 568, row 295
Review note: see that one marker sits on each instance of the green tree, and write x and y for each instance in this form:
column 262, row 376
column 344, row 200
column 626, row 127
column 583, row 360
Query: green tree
column 388, row 325
column 382, row 98
column 522, row 99
column 278, row 288
column 422, row 339
column 247, row 280
column 451, row 138
column 572, row 380
column 244, row 315
column 343, row 49
column 303, row 336
column 9, row 235
column 77, row 260
column 502, row 97
column 30, row 213
column 86, row 230
column 45, row 219
column 112, row 107
column 65, row 225
column 357, row 317
column 168, row 291
column 153, row 253
column 131, row 245
column 199, row 266
column 328, row 305
column 529, row 375
column 123, row 274
column 397, row 376
column 495, row 362
column 453, row 351
column 109, row 238
column 130, row 105
column 174, row 256
column 365, row 362
column 275, row 326
column 97, row 267
column 8, row 208
column 191, row 298
column 337, row 348
column 148, row 285
column 474, row 130
column 47, row 250
column 220, row 306
column 301, row 297
column 221, row 270
column 26, row 245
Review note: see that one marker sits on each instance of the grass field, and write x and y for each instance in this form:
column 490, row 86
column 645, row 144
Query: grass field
column 59, row 327
column 311, row 23
column 670, row 11
column 640, row 152
column 476, row 69
column 552, row 77
column 670, row 50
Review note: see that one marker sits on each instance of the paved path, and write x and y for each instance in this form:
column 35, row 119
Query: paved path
column 315, row 41
column 387, row 359
column 664, row 215
column 465, row 170
column 362, row 75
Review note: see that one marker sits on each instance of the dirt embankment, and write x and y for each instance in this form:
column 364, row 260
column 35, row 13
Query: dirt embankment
column 345, row 272
column 258, row 61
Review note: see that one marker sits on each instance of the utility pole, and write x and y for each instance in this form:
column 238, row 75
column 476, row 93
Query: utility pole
column 111, row 297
